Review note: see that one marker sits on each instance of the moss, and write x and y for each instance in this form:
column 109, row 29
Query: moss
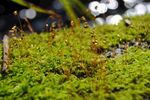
column 128, row 75
column 71, row 65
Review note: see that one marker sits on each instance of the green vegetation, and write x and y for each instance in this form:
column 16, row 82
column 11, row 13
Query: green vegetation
column 71, row 65
column 70, row 7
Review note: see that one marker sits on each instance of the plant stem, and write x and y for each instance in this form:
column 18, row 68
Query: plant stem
column 5, row 53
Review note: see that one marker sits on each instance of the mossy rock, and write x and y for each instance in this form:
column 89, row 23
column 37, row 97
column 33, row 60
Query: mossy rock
column 72, row 64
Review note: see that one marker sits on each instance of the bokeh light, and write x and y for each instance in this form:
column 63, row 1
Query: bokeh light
column 57, row 5
column 97, row 8
column 108, row 19
column 130, row 12
column 129, row 5
column 100, row 21
column 30, row 13
column 140, row 9
column 93, row 8
column 111, row 4
column 22, row 14
column 113, row 19
column 102, row 8
column 148, row 7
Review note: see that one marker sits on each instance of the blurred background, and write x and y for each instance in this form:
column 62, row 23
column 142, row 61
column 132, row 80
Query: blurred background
column 38, row 20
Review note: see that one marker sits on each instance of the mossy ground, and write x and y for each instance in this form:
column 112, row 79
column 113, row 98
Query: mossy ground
column 71, row 66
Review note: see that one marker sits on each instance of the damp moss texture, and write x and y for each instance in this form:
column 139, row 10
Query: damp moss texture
column 72, row 64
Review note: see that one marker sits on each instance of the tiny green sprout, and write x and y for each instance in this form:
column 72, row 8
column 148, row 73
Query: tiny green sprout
column 104, row 42
column 13, row 31
column 92, row 32
column 83, row 18
column 66, row 71
column 14, row 27
column 96, row 62
column 72, row 24
column 118, row 35
column 60, row 53
column 53, row 32
column 47, row 27
column 66, row 42
column 16, row 39
column 15, row 13
column 79, row 20
column 85, row 24
column 53, row 25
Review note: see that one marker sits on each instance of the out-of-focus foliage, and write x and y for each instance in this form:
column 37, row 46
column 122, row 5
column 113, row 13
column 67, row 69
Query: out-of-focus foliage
column 67, row 4
column 30, row 5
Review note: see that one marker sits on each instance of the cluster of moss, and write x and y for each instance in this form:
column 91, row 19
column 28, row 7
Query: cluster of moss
column 69, row 65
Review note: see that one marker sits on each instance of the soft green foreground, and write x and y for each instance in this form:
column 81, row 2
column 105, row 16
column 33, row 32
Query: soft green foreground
column 71, row 67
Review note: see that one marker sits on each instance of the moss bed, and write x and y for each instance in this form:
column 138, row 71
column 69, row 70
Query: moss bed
column 72, row 65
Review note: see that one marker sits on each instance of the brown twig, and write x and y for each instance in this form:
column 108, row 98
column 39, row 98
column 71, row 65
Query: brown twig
column 5, row 53
column 29, row 25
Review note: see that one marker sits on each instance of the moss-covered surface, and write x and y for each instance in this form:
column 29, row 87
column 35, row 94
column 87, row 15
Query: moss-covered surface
column 72, row 66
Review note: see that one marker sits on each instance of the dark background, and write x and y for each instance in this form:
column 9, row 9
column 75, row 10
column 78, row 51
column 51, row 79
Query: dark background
column 8, row 20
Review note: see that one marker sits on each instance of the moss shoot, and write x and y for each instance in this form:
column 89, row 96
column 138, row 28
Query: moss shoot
column 74, row 64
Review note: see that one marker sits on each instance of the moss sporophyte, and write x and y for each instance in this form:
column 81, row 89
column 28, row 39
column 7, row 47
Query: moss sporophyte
column 102, row 63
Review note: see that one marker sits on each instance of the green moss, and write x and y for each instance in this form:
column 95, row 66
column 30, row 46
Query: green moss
column 129, row 74
column 71, row 65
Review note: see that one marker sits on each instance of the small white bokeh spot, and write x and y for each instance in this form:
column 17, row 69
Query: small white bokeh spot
column 30, row 13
